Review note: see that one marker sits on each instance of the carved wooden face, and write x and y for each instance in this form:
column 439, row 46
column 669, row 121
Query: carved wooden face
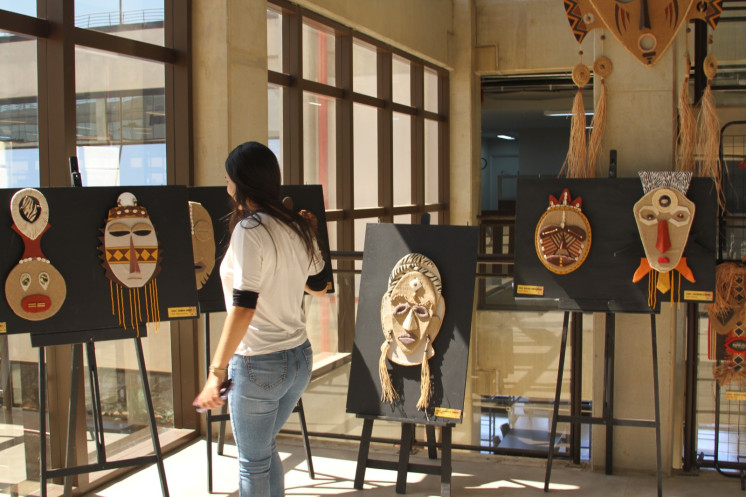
column 664, row 217
column 35, row 290
column 411, row 311
column 203, row 243
column 130, row 243
column 563, row 235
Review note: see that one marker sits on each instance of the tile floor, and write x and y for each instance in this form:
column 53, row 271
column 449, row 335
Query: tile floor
column 473, row 475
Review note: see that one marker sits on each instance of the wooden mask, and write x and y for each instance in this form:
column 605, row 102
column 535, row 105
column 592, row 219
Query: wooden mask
column 35, row 289
column 131, row 259
column 563, row 234
column 412, row 312
column 645, row 28
column 203, row 243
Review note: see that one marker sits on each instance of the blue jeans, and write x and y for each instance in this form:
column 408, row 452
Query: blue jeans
column 266, row 389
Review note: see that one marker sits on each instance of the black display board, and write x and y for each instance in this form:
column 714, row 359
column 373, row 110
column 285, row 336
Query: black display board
column 77, row 217
column 453, row 249
column 217, row 202
column 603, row 283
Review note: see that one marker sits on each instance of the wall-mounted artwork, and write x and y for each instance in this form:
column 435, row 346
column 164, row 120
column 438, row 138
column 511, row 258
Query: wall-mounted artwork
column 34, row 289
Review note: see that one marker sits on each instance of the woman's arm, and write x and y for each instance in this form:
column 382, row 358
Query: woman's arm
column 234, row 329
column 316, row 293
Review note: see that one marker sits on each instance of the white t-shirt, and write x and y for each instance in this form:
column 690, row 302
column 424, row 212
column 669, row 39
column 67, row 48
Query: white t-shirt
column 272, row 261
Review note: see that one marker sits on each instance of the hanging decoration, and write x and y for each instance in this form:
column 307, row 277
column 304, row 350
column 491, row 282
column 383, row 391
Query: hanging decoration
column 709, row 132
column 664, row 217
column 35, row 289
column 576, row 161
column 727, row 338
column 203, row 243
column 131, row 258
column 645, row 28
column 563, row 234
column 685, row 160
column 412, row 312
column 602, row 68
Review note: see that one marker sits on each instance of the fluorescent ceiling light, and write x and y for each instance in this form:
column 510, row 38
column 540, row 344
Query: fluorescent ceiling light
column 506, row 137
column 560, row 113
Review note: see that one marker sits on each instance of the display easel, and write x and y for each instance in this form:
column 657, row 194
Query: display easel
column 102, row 463
column 403, row 466
column 225, row 416
column 607, row 418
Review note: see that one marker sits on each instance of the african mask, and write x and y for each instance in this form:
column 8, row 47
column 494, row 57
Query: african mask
column 203, row 243
column 34, row 289
column 664, row 217
column 412, row 312
column 728, row 323
column 131, row 258
column 563, row 234
column 645, row 28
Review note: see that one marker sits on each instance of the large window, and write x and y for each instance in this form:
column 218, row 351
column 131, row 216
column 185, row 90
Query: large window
column 366, row 121
column 95, row 80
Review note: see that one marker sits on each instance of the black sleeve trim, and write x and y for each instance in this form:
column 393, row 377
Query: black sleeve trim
column 317, row 282
column 245, row 298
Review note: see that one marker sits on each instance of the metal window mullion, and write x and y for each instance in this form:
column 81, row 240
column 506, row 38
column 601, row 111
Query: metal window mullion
column 345, row 193
column 385, row 135
column 292, row 108
column 418, row 137
column 444, row 149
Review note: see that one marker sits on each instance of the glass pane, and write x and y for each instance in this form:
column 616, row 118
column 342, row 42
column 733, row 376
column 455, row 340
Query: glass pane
column 140, row 20
column 431, row 90
column 274, row 125
column 123, row 406
column 365, row 155
column 431, row 161
column 274, row 40
column 364, row 68
column 320, row 145
column 19, row 115
column 121, row 119
column 402, row 145
column 401, row 71
column 318, row 55
column 27, row 8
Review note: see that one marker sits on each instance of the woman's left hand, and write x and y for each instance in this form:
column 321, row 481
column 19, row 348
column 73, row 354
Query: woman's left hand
column 209, row 397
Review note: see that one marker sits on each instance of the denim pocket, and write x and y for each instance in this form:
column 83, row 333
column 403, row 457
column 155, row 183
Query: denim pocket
column 268, row 370
column 308, row 354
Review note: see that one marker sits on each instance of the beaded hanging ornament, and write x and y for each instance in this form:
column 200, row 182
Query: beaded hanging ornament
column 35, row 289
column 664, row 217
column 563, row 234
column 412, row 312
column 131, row 257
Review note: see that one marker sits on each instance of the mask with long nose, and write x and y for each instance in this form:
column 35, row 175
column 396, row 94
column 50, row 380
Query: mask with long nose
column 664, row 217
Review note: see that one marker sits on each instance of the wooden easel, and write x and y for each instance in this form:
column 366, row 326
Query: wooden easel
column 607, row 419
column 403, row 466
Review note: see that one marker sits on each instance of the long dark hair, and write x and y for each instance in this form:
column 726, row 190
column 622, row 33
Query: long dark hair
column 254, row 169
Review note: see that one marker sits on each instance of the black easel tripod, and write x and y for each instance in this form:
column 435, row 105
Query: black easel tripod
column 101, row 463
column 607, row 419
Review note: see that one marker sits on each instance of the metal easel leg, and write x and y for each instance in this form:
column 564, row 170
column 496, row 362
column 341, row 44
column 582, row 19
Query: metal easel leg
column 656, row 393
column 151, row 415
column 557, row 393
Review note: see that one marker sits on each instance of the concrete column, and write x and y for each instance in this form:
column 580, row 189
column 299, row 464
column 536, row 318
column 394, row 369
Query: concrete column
column 465, row 114
column 230, row 81
column 641, row 127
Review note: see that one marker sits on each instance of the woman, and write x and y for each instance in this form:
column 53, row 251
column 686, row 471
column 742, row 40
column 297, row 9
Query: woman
column 273, row 257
